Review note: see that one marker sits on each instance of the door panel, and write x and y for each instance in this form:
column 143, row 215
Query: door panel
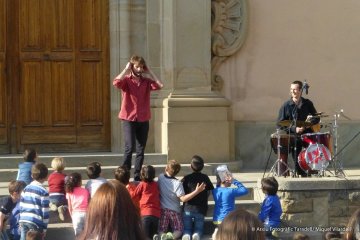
column 62, row 80
column 3, row 86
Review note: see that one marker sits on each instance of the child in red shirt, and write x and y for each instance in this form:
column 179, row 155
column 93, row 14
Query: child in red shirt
column 148, row 192
column 56, row 181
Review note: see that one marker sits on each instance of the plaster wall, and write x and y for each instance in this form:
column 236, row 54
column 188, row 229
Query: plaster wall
column 308, row 40
column 316, row 41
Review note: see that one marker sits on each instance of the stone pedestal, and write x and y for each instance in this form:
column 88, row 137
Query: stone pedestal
column 192, row 124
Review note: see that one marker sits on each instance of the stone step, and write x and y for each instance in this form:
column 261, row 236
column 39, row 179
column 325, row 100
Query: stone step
column 78, row 162
column 12, row 161
column 108, row 171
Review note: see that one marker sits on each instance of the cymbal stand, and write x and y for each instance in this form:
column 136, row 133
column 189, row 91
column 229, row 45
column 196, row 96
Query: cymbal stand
column 337, row 164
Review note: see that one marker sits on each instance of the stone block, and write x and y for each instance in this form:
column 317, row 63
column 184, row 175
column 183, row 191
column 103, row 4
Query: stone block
column 336, row 195
column 338, row 211
column 297, row 206
column 299, row 219
column 292, row 195
column 320, row 210
column 338, row 221
column 318, row 194
column 354, row 197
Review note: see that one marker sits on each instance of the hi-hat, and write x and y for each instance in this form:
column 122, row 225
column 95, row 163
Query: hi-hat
column 288, row 123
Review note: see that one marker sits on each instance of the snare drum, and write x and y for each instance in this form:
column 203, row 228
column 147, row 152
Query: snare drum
column 320, row 138
column 314, row 157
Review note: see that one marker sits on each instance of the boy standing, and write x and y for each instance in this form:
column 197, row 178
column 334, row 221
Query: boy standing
column 171, row 193
column 7, row 204
column 224, row 195
column 34, row 203
column 196, row 208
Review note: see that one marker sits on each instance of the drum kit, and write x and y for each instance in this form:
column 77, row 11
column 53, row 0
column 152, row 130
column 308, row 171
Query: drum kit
column 319, row 149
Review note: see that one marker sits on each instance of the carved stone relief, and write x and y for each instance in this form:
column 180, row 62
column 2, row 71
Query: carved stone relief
column 229, row 22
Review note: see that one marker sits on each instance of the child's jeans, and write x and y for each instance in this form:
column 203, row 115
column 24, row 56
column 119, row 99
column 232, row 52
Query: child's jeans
column 25, row 227
column 193, row 223
column 3, row 235
column 58, row 199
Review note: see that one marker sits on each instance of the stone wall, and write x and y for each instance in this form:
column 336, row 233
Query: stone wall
column 317, row 203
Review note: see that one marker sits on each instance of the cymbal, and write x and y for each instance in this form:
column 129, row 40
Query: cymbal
column 288, row 123
column 320, row 114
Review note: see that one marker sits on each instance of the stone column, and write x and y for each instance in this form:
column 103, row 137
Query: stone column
column 189, row 118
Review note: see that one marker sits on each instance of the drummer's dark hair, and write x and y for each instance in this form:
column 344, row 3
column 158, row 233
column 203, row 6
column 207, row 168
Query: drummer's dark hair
column 269, row 185
column 298, row 83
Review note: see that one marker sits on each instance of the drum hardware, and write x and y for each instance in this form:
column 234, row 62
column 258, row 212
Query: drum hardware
column 280, row 167
column 337, row 164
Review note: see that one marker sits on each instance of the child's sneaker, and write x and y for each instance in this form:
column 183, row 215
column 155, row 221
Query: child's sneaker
column 185, row 237
column 52, row 207
column 195, row 236
column 156, row 237
column 61, row 211
column 163, row 236
column 169, row 236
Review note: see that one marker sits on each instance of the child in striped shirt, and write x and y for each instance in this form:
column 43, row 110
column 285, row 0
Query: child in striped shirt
column 34, row 203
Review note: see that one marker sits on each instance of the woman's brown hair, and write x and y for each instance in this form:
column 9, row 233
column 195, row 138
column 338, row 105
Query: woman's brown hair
column 112, row 215
column 353, row 226
column 241, row 225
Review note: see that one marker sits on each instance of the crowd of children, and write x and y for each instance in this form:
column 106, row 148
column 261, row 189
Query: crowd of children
column 157, row 203
column 168, row 208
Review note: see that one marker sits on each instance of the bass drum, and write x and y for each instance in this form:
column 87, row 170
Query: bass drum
column 315, row 157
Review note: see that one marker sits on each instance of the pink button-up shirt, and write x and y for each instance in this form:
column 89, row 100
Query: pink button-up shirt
column 135, row 104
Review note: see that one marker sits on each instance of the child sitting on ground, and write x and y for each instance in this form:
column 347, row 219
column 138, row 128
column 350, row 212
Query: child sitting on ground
column 224, row 196
column 171, row 193
column 56, row 181
column 122, row 174
column 93, row 171
column 24, row 172
column 7, row 204
column 271, row 208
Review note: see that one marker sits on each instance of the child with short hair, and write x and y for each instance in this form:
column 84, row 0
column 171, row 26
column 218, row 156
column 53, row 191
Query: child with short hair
column 7, row 204
column 34, row 203
column 24, row 172
column 148, row 193
column 196, row 208
column 122, row 174
column 270, row 211
column 78, row 200
column 56, row 181
column 171, row 193
column 93, row 171
column 224, row 195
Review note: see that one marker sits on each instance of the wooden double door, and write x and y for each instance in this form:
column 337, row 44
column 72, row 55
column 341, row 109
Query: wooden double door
column 54, row 75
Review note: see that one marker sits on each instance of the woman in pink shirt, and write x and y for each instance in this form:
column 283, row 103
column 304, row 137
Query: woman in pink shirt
column 78, row 199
